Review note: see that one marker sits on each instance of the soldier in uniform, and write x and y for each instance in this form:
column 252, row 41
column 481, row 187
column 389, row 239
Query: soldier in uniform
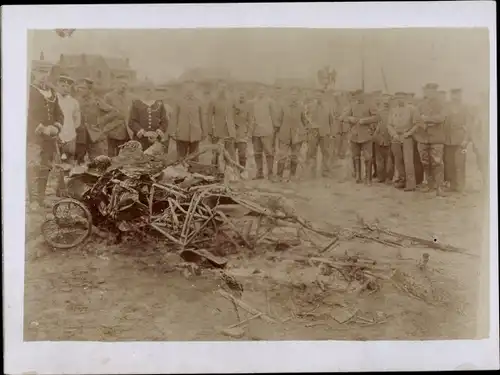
column 116, row 130
column 72, row 119
column 242, row 124
column 342, row 128
column 320, row 122
column 428, row 131
column 375, row 98
column 419, row 170
column 292, row 132
column 401, row 121
column 262, row 130
column 189, row 125
column 90, row 138
column 479, row 135
column 45, row 119
column 382, row 144
column 362, row 118
column 458, row 120
column 148, row 119
column 221, row 117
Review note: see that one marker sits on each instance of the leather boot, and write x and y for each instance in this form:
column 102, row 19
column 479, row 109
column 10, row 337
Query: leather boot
column 426, row 184
column 368, row 172
column 243, row 161
column 354, row 166
column 438, row 174
column 41, row 187
column 357, row 170
column 270, row 166
column 293, row 169
column 281, row 169
column 260, row 167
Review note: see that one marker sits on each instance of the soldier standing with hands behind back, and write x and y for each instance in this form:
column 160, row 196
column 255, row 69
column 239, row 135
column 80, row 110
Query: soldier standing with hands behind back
column 457, row 124
column 116, row 130
column 428, row 131
column 292, row 132
column 362, row 118
column 401, row 121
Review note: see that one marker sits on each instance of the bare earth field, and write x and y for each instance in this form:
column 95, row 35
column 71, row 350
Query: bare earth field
column 132, row 292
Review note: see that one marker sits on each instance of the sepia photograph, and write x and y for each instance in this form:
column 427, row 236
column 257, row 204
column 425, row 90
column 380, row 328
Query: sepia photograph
column 242, row 184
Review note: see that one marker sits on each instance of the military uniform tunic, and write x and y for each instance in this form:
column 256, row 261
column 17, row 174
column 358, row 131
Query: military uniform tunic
column 361, row 133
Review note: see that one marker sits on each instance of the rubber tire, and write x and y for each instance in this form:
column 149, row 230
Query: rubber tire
column 88, row 216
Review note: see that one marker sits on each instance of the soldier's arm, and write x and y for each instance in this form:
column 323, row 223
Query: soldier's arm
column 390, row 126
column 163, row 121
column 77, row 114
column 279, row 120
column 370, row 120
column 58, row 116
column 304, row 120
column 415, row 121
column 133, row 121
column 204, row 129
column 347, row 116
column 34, row 126
column 437, row 118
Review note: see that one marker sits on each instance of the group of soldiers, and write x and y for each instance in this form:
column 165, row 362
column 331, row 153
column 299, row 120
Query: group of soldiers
column 401, row 139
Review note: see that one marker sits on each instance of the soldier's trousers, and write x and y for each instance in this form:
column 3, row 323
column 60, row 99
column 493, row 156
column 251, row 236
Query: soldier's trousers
column 324, row 143
column 288, row 151
column 419, row 170
column 362, row 149
column 241, row 151
column 263, row 146
column 114, row 146
column 481, row 161
column 40, row 159
column 431, row 156
column 185, row 148
column 229, row 145
column 403, row 159
column 384, row 162
column 454, row 166
column 341, row 145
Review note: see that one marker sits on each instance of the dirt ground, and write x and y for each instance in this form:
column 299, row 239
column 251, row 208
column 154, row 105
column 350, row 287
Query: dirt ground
column 130, row 292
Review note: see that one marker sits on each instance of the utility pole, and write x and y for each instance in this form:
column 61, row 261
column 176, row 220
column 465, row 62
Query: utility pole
column 386, row 88
column 363, row 63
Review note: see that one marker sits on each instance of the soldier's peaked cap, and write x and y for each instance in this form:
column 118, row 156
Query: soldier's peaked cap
column 66, row 78
column 431, row 86
column 399, row 94
column 456, row 91
column 88, row 81
column 357, row 93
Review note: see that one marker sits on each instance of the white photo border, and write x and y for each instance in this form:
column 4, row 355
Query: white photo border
column 222, row 357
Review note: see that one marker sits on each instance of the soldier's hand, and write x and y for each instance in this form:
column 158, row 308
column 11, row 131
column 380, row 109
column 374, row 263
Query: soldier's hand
column 51, row 131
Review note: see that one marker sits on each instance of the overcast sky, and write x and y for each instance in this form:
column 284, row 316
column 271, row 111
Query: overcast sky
column 409, row 57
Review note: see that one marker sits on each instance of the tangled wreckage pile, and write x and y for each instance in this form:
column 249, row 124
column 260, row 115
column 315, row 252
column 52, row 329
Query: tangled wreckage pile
column 203, row 214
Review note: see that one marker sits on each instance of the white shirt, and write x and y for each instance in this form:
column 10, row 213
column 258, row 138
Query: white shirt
column 72, row 117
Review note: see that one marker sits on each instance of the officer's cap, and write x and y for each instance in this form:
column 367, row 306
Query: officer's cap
column 88, row 81
column 431, row 86
column 456, row 91
column 357, row 93
column 399, row 94
column 66, row 78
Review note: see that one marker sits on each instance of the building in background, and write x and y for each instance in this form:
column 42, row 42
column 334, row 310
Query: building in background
column 41, row 67
column 103, row 70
